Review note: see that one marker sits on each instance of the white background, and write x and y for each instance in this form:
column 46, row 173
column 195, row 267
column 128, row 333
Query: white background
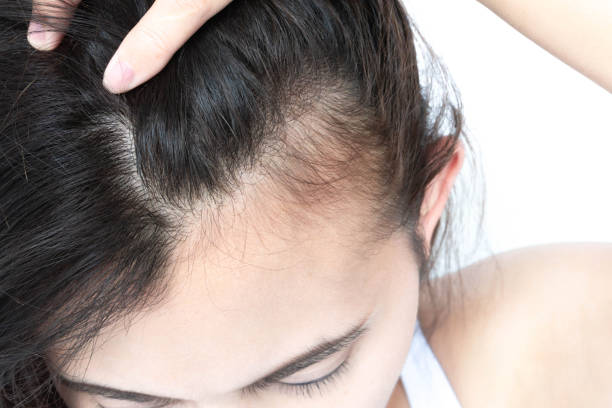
column 542, row 129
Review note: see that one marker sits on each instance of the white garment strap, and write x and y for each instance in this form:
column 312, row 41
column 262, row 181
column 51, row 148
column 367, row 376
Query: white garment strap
column 424, row 379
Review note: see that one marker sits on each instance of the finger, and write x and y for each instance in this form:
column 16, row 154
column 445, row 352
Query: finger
column 148, row 47
column 50, row 19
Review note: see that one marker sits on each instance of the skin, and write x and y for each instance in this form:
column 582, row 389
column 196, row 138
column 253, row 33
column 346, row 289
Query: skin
column 536, row 321
column 579, row 33
column 261, row 293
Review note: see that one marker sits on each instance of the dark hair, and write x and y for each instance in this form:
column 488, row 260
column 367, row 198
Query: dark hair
column 319, row 97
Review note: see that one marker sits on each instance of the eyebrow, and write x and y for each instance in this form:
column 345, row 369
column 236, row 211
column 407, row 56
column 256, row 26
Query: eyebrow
column 313, row 355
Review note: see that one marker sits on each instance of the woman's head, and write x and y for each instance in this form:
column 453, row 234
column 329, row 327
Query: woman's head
column 279, row 183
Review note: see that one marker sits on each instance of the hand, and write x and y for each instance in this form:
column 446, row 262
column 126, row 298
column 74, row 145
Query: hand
column 148, row 47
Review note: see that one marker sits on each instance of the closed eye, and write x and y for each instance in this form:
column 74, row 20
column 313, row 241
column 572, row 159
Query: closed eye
column 307, row 389
column 317, row 354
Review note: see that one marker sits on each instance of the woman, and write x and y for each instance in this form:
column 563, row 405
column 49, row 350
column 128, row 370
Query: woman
column 278, row 185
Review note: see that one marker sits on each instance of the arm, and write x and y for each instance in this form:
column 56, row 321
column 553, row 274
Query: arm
column 578, row 32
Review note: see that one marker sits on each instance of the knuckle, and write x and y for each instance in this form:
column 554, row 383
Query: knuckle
column 199, row 8
column 156, row 39
column 55, row 7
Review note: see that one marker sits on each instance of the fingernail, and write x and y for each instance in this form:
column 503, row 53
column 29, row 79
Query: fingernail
column 37, row 36
column 118, row 76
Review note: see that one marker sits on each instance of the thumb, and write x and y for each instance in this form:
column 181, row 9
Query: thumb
column 148, row 47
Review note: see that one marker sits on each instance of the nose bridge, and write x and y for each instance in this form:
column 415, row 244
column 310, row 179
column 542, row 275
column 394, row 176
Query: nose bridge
column 234, row 403
column 234, row 400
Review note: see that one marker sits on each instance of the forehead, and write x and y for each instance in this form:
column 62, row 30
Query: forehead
column 240, row 302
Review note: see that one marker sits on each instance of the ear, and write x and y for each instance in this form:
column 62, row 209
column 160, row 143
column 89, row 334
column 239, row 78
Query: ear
column 436, row 195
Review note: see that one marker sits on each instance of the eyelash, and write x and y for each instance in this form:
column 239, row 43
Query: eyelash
column 305, row 389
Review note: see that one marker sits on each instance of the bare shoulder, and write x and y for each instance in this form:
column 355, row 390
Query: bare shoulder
column 529, row 327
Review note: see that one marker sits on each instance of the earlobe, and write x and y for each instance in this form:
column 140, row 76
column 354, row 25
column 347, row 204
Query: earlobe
column 437, row 193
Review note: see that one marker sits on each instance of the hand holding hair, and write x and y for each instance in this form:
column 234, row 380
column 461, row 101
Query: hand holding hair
column 147, row 48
